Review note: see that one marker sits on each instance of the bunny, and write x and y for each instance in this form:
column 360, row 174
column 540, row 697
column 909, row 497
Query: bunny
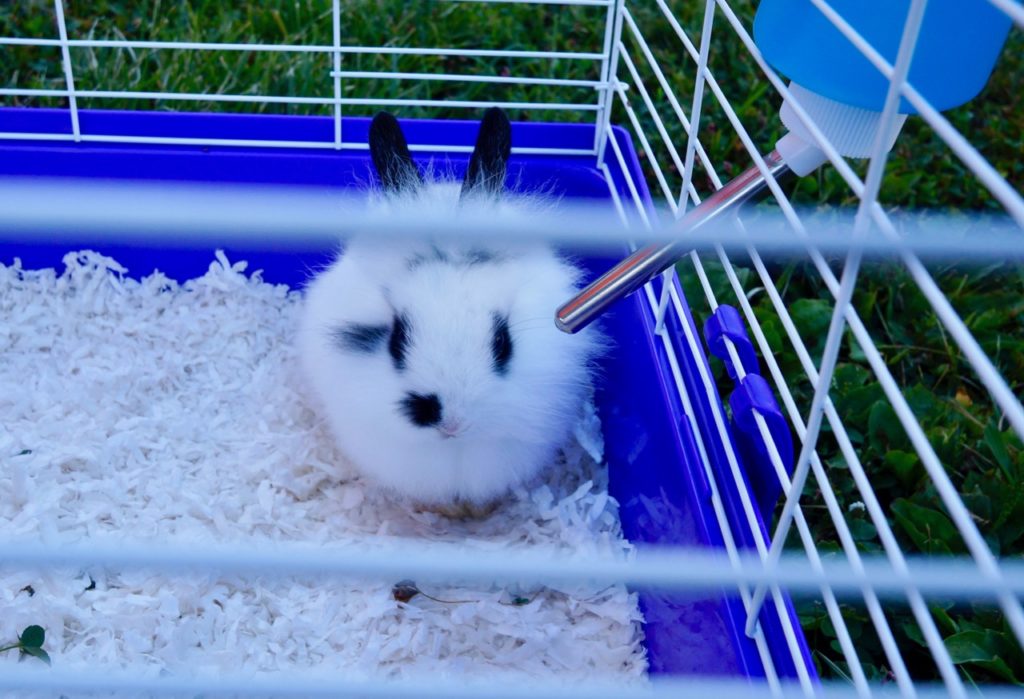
column 438, row 366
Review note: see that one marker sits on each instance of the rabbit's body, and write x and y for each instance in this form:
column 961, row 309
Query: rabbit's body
column 438, row 366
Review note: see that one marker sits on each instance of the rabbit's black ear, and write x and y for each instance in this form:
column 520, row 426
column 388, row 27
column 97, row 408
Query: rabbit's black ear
column 391, row 156
column 486, row 173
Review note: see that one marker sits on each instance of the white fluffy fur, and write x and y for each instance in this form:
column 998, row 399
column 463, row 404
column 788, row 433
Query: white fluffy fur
column 513, row 423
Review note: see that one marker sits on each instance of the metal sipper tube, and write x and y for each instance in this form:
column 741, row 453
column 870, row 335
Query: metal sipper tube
column 649, row 261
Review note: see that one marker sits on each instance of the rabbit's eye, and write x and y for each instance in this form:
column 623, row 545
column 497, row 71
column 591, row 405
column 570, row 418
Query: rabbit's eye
column 399, row 342
column 501, row 344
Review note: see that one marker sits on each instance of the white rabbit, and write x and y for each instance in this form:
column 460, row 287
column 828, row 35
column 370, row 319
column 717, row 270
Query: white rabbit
column 438, row 366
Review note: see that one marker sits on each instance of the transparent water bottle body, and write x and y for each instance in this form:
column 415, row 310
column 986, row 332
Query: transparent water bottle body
column 957, row 48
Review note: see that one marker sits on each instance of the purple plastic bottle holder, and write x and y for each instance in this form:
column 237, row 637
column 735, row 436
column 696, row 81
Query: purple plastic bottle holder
column 752, row 396
column 726, row 322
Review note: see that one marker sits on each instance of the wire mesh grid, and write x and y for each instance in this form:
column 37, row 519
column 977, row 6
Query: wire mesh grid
column 851, row 584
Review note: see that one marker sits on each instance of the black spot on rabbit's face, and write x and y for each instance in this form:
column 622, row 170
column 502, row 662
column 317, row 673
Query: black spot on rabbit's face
column 479, row 256
column 454, row 258
column 421, row 410
column 359, row 337
column 501, row 344
column 398, row 344
column 436, row 254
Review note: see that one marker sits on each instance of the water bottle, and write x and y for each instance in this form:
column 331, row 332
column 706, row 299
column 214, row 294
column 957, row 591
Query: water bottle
column 956, row 50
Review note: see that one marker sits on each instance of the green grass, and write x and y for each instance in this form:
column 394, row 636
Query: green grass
column 386, row 23
column 981, row 455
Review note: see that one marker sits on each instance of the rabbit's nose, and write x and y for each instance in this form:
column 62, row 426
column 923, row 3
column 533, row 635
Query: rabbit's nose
column 450, row 428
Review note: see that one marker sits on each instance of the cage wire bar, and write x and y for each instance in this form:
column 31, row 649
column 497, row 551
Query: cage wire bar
column 337, row 101
column 980, row 362
column 832, row 344
column 659, row 309
column 620, row 79
column 868, row 193
column 336, row 73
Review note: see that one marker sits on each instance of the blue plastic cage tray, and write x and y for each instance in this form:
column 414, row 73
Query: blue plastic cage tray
column 655, row 470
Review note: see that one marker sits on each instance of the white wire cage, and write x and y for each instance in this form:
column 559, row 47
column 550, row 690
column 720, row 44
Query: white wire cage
column 631, row 82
